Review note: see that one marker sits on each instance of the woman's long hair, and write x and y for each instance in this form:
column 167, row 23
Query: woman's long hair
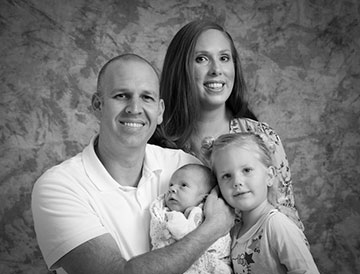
column 178, row 88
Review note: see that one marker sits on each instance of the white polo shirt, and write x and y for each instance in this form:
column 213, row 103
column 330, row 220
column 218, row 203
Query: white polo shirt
column 78, row 200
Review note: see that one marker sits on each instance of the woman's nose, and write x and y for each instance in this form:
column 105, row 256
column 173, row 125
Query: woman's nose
column 215, row 68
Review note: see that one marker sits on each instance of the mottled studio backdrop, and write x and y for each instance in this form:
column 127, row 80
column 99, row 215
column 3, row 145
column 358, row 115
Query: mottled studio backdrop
column 302, row 65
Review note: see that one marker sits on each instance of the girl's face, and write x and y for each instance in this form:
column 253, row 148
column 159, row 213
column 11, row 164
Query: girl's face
column 214, row 68
column 243, row 179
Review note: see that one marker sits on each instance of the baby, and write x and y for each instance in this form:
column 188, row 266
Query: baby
column 179, row 211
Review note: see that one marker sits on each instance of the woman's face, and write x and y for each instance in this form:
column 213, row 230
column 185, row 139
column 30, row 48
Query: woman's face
column 213, row 68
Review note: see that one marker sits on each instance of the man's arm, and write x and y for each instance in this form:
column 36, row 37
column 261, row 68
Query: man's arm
column 101, row 254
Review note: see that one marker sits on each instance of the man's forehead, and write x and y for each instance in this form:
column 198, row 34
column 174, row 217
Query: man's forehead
column 130, row 73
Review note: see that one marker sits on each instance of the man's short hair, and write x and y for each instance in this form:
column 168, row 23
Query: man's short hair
column 125, row 57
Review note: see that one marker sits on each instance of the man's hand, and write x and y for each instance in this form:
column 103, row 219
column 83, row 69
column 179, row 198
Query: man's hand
column 219, row 216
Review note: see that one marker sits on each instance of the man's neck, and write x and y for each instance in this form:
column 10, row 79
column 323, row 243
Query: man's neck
column 123, row 164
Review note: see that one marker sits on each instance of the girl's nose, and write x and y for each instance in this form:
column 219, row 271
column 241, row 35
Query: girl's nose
column 238, row 181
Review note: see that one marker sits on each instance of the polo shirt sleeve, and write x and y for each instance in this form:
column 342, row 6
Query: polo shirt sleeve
column 290, row 245
column 63, row 217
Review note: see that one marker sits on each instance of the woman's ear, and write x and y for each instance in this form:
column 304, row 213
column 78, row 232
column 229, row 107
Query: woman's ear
column 271, row 176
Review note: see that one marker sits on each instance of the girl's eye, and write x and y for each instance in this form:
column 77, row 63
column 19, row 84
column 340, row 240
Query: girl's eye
column 247, row 170
column 225, row 176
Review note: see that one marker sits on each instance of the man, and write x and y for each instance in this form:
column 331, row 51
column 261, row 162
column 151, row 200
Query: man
column 91, row 213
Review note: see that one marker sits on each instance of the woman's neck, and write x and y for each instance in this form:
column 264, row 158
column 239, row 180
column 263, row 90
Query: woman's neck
column 211, row 124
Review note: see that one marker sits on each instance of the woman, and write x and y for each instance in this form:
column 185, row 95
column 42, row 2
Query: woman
column 204, row 92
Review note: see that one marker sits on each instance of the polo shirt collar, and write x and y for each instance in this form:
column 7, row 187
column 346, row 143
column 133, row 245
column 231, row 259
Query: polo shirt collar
column 101, row 178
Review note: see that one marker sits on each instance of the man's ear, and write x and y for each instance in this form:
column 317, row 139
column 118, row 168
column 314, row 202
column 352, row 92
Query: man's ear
column 271, row 176
column 96, row 103
column 161, row 111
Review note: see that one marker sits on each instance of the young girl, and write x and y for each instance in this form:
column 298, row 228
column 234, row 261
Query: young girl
column 265, row 240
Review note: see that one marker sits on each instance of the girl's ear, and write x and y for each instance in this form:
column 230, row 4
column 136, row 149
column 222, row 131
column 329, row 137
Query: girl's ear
column 271, row 176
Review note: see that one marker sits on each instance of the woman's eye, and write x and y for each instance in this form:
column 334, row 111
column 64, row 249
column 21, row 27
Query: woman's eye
column 200, row 59
column 225, row 58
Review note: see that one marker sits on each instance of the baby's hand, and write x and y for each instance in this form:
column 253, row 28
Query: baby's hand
column 187, row 211
column 177, row 224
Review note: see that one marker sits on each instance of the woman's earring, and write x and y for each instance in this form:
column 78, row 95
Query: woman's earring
column 97, row 105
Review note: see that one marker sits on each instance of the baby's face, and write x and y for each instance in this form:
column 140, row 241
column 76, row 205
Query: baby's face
column 186, row 189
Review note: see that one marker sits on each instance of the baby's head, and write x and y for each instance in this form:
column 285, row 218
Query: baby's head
column 243, row 167
column 188, row 187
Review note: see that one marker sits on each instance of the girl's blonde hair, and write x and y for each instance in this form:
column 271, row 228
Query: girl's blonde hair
column 247, row 140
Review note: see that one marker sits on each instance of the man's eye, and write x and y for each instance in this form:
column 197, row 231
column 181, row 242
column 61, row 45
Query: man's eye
column 148, row 98
column 120, row 96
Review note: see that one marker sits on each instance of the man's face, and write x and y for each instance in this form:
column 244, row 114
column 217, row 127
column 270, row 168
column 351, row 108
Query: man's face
column 131, row 107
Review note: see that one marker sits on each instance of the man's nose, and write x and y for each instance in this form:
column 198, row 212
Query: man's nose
column 134, row 106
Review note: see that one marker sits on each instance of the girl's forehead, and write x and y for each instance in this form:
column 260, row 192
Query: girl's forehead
column 237, row 153
column 245, row 147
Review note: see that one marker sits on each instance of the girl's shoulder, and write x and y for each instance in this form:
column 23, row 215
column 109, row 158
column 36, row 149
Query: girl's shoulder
column 278, row 223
